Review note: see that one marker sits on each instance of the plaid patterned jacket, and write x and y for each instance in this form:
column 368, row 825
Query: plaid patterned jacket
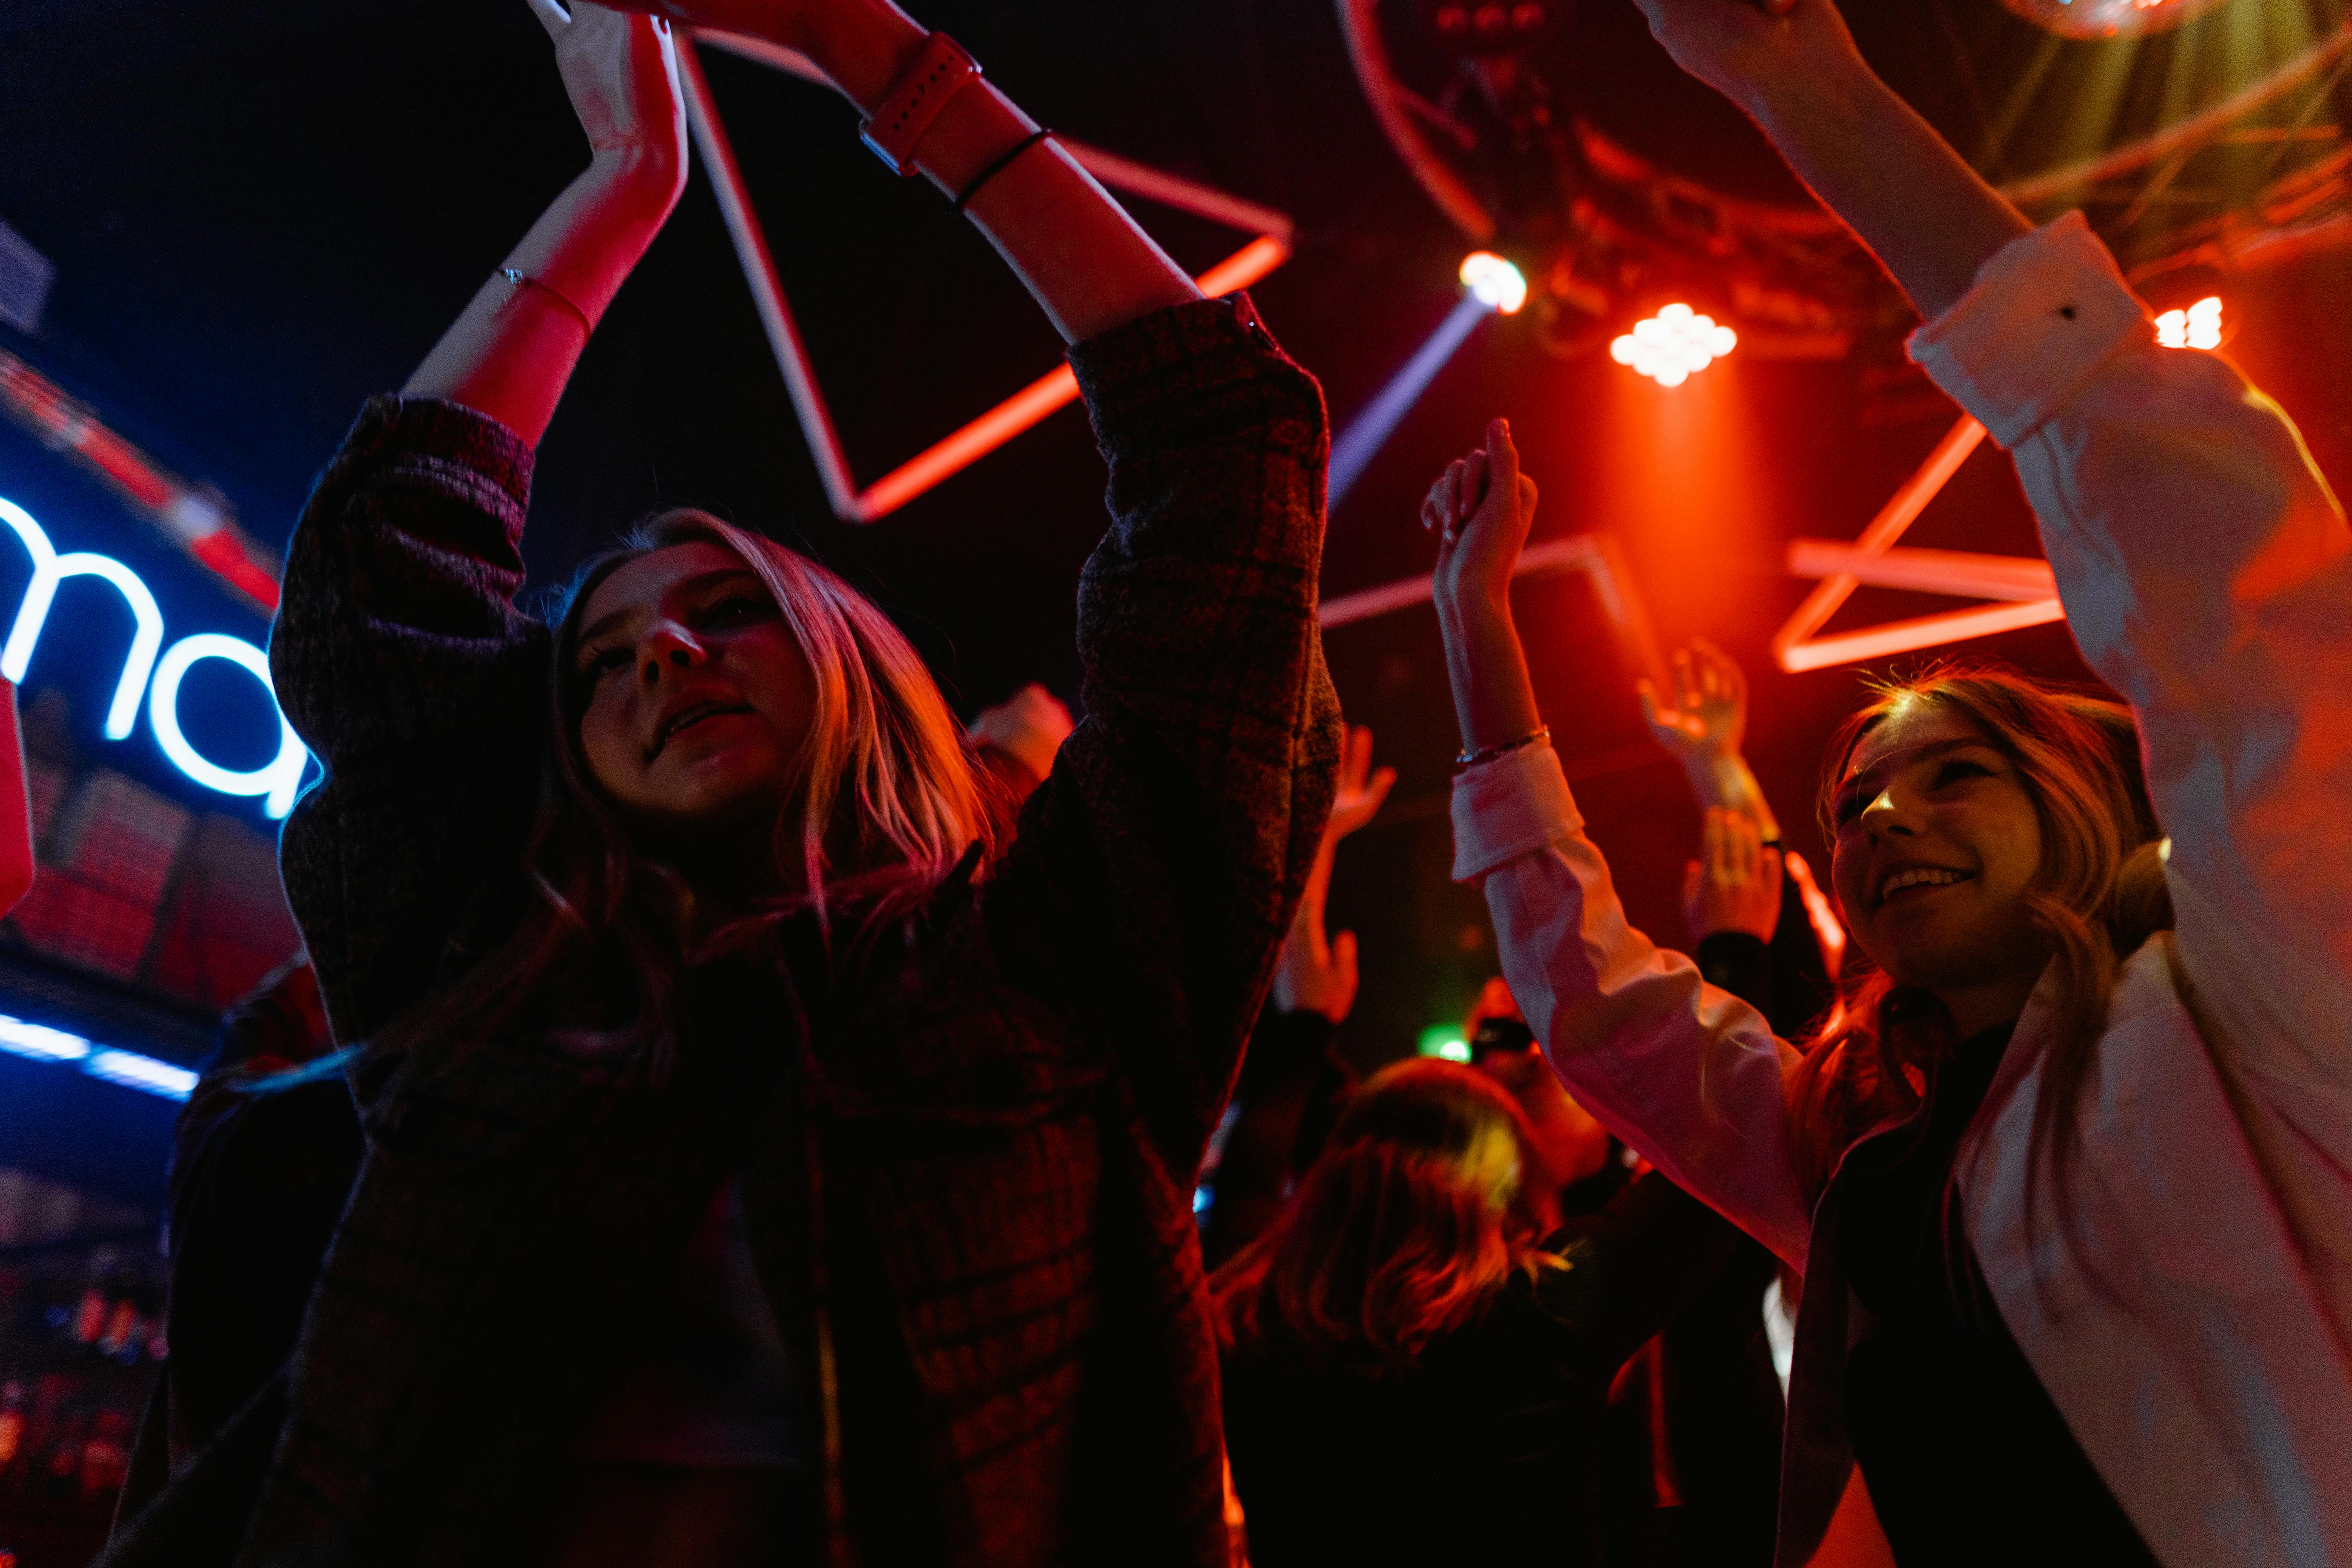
column 978, row 1149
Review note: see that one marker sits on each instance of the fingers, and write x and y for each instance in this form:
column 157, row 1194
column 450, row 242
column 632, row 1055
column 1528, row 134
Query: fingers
column 551, row 16
column 1685, row 684
column 1475, row 475
column 1376, row 790
column 1719, row 673
column 1648, row 695
column 1343, row 959
column 1528, row 494
column 1502, row 456
column 1355, row 759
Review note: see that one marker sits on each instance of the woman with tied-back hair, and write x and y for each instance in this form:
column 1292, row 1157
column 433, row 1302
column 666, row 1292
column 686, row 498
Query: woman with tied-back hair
column 2068, row 1184
column 765, row 1163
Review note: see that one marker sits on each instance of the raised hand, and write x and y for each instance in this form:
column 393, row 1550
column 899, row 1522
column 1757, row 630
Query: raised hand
column 1736, row 885
column 1749, row 50
column 1029, row 726
column 1312, row 974
column 1362, row 788
column 786, row 22
column 1704, row 724
column 1708, row 713
column 1312, row 971
column 1480, row 509
column 621, row 74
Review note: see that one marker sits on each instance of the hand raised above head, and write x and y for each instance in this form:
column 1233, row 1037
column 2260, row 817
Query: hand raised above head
column 1362, row 787
column 621, row 74
column 778, row 21
column 1707, row 715
column 1480, row 511
column 1749, row 51
column 1736, row 885
column 1030, row 725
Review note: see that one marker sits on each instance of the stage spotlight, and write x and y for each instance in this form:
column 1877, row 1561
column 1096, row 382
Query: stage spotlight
column 1673, row 346
column 2198, row 327
column 1498, row 285
column 2108, row 19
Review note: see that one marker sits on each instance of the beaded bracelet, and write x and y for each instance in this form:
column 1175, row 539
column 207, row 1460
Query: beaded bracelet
column 1538, row 736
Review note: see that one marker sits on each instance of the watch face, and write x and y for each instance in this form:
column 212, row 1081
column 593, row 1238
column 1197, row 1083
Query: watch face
column 2108, row 19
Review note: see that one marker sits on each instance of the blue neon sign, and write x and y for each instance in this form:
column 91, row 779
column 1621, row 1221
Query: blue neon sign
column 151, row 669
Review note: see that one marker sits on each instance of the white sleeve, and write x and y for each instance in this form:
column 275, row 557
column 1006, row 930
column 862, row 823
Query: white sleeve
column 1688, row 1075
column 2207, row 575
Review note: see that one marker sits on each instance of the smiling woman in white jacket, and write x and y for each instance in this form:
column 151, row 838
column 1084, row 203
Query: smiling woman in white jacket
column 2125, row 1335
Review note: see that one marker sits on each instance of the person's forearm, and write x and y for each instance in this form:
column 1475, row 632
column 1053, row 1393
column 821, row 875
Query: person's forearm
column 1927, row 216
column 1724, row 779
column 511, row 352
column 1494, row 700
column 1082, row 258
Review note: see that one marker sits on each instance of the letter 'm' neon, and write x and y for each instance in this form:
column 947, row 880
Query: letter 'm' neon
column 49, row 569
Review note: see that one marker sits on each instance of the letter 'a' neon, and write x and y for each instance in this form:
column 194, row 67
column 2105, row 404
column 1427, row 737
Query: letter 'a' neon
column 278, row 781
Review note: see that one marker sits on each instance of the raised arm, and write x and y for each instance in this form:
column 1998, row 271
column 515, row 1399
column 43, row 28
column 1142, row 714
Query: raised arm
column 1701, row 724
column 398, row 652
column 511, row 352
column 2204, row 566
column 1316, row 972
column 1927, row 216
column 1088, row 263
column 1687, row 1073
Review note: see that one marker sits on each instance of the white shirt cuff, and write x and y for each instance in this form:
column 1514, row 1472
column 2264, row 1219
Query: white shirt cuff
column 1511, row 807
column 2045, row 312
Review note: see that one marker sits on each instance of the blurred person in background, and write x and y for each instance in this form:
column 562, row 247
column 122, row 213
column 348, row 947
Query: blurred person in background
column 1294, row 1080
column 1418, row 1354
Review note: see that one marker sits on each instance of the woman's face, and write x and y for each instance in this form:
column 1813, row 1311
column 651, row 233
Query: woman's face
column 698, row 697
column 1937, row 844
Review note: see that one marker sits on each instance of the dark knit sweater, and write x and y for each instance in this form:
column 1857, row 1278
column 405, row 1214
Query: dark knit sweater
column 973, row 1149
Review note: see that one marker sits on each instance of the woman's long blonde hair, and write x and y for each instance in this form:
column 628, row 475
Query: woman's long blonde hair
column 2097, row 895
column 1427, row 1199
column 887, row 802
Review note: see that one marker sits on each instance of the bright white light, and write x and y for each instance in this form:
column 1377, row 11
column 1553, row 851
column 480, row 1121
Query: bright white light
column 2198, row 327
column 49, row 569
column 133, row 1070
column 39, row 1042
column 1495, row 282
column 278, row 780
column 1673, row 346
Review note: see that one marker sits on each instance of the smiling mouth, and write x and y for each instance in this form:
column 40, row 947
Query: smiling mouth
column 686, row 717
column 1918, row 880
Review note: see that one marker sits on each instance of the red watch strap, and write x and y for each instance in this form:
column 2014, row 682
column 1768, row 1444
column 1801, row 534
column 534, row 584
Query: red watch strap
column 915, row 101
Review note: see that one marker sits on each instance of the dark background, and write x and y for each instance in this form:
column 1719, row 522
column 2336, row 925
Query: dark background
column 263, row 210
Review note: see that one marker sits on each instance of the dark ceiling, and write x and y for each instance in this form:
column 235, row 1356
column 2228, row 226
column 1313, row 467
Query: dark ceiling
column 262, row 211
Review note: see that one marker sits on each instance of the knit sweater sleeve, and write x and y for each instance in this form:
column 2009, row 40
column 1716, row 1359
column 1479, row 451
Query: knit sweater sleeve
column 400, row 656
column 1157, row 868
